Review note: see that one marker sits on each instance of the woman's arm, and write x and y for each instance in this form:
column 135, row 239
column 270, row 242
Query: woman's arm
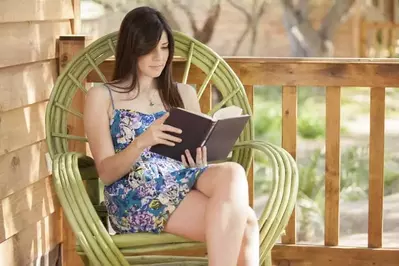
column 189, row 97
column 110, row 166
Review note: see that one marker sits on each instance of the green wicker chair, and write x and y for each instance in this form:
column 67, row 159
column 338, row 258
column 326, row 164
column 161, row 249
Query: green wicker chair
column 82, row 207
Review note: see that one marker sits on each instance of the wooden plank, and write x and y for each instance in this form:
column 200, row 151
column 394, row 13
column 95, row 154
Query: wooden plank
column 26, row 84
column 334, row 256
column 22, row 168
column 76, row 21
column 249, row 89
column 376, row 166
column 332, row 166
column 27, row 206
column 289, row 132
column 35, row 10
column 30, row 42
column 68, row 47
column 51, row 258
column 32, row 242
column 22, row 127
column 295, row 72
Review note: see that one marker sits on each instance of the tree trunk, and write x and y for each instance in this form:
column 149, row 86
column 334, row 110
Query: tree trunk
column 304, row 39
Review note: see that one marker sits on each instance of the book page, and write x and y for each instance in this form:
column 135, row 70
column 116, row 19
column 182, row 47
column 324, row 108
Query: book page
column 227, row 112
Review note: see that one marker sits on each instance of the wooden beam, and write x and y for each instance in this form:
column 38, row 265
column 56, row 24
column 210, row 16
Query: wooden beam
column 333, row 256
column 289, row 132
column 376, row 167
column 249, row 89
column 76, row 21
column 332, row 165
column 69, row 46
column 294, row 72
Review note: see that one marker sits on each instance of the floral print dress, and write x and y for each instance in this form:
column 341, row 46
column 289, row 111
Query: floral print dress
column 143, row 199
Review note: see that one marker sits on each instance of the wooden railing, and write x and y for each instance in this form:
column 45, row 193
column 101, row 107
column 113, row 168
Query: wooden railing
column 332, row 74
column 379, row 39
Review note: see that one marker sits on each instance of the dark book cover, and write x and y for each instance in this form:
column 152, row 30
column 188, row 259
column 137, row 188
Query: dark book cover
column 198, row 130
column 223, row 137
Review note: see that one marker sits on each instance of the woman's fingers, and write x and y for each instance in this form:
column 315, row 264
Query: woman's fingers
column 204, row 156
column 169, row 137
column 198, row 158
column 171, row 129
column 184, row 161
column 190, row 160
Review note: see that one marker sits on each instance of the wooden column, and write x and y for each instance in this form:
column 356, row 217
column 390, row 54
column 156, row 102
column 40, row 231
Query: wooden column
column 376, row 167
column 68, row 47
column 249, row 89
column 289, row 133
column 332, row 168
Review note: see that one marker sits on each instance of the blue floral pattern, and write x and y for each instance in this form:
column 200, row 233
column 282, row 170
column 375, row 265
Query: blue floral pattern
column 143, row 199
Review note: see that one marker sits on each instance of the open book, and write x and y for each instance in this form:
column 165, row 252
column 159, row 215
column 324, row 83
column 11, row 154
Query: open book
column 218, row 133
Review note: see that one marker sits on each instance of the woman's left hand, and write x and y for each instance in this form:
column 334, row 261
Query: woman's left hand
column 200, row 158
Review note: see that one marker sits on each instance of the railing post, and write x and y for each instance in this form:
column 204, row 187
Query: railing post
column 289, row 132
column 68, row 47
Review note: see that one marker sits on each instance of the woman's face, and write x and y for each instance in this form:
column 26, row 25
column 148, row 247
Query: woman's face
column 152, row 64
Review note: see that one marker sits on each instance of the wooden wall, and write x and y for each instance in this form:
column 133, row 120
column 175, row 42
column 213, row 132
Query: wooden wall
column 30, row 217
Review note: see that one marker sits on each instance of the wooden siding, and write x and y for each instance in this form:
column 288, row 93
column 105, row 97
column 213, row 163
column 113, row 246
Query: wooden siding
column 30, row 215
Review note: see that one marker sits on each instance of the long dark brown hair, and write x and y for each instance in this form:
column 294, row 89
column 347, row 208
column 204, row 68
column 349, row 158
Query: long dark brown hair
column 140, row 33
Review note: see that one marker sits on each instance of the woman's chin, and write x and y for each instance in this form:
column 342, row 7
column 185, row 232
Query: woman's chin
column 155, row 74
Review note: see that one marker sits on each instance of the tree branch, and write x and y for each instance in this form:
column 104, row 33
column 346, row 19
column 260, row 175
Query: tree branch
column 189, row 15
column 240, row 8
column 334, row 17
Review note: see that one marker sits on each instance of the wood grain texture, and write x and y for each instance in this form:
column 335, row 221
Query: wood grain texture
column 289, row 132
column 26, row 84
column 68, row 48
column 34, row 241
column 249, row 89
column 294, row 71
column 26, row 207
column 35, row 10
column 22, row 127
column 332, row 165
column 333, row 256
column 30, row 42
column 376, row 167
column 23, row 167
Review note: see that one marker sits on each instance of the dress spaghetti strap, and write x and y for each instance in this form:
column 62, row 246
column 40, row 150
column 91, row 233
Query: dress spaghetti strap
column 110, row 95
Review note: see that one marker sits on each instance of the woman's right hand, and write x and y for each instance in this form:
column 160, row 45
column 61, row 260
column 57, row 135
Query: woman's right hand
column 156, row 134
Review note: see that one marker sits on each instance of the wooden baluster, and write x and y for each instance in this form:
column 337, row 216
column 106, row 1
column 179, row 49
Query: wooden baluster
column 250, row 94
column 376, row 166
column 289, row 131
column 332, row 166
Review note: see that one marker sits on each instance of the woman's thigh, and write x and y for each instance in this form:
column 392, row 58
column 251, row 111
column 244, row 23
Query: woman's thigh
column 223, row 176
column 188, row 220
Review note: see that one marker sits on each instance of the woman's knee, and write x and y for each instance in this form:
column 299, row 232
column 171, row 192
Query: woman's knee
column 233, row 179
column 252, row 220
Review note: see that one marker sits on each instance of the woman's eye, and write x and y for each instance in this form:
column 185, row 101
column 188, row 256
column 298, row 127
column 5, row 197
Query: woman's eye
column 165, row 47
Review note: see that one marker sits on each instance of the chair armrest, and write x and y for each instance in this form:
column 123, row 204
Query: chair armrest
column 81, row 215
column 283, row 196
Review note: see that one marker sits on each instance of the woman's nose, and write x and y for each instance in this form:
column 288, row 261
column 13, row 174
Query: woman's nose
column 157, row 55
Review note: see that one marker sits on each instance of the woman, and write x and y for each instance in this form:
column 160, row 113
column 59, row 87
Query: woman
column 146, row 192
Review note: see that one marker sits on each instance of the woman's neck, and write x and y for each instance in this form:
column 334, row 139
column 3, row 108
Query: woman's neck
column 146, row 84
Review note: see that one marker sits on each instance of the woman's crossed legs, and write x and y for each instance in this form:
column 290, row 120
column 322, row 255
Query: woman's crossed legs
column 217, row 212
